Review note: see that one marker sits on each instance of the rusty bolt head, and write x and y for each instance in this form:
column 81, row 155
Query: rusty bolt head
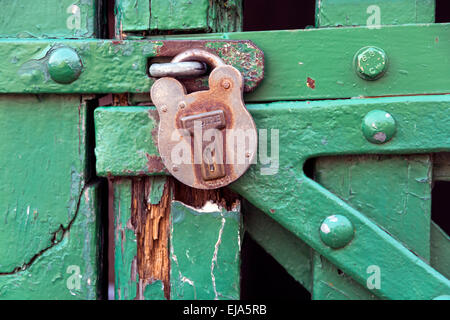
column 370, row 63
column 182, row 105
column 226, row 84
column 175, row 168
column 164, row 109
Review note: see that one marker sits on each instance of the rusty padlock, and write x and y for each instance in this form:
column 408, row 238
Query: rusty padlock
column 206, row 139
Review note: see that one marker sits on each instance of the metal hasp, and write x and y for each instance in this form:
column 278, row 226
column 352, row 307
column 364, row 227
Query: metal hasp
column 198, row 131
column 111, row 66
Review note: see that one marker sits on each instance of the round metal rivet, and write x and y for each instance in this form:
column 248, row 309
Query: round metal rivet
column 336, row 231
column 175, row 168
column 164, row 109
column 226, row 84
column 379, row 126
column 370, row 63
column 64, row 65
column 182, row 105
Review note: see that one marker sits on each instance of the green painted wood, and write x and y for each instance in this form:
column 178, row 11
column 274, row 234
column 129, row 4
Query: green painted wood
column 120, row 151
column 205, row 252
column 440, row 248
column 395, row 192
column 70, row 267
column 287, row 249
column 48, row 19
column 109, row 66
column 333, row 13
column 329, row 283
column 196, row 15
column 132, row 15
column 125, row 243
column 128, row 283
column 50, row 236
column 300, row 205
column 43, row 172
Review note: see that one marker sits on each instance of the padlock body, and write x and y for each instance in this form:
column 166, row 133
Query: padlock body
column 207, row 139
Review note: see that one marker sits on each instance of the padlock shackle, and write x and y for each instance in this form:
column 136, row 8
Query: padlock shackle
column 199, row 55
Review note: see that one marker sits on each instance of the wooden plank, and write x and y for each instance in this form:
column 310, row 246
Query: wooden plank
column 196, row 15
column 334, row 13
column 49, row 133
column 70, row 267
column 205, row 252
column 125, row 244
column 52, row 210
column 132, row 15
column 142, row 215
column 48, row 19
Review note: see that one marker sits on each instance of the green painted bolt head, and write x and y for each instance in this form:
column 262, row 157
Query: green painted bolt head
column 64, row 65
column 370, row 63
column 378, row 126
column 336, row 231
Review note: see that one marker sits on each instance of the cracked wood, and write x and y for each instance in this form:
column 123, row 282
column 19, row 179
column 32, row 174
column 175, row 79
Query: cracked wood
column 151, row 224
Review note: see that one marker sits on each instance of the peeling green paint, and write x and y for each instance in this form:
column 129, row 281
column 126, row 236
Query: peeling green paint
column 132, row 15
column 109, row 66
column 157, row 189
column 71, row 268
column 154, row 291
column 126, row 276
column 204, row 252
